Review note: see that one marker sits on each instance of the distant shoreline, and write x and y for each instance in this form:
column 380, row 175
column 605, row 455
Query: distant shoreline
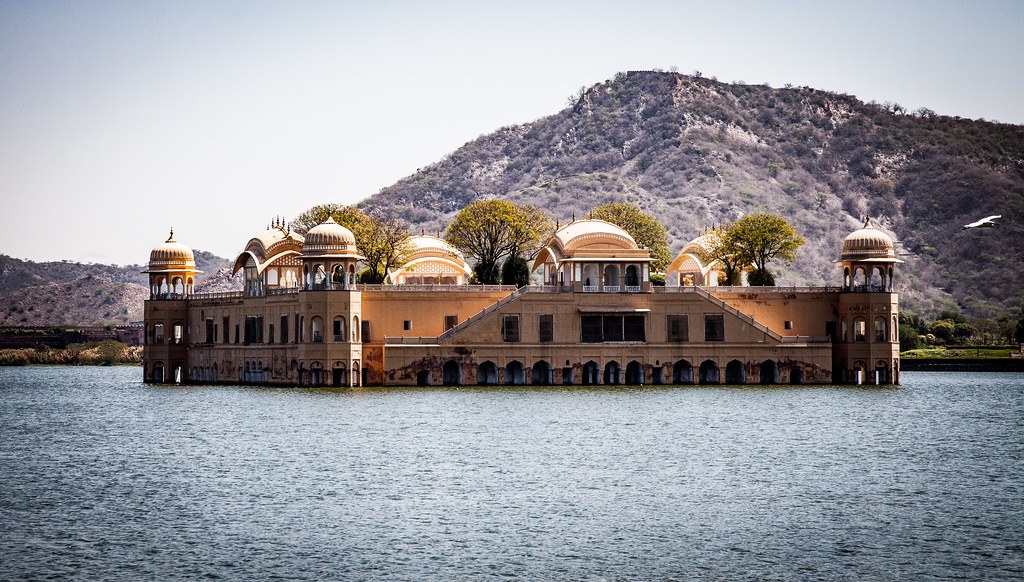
column 962, row 364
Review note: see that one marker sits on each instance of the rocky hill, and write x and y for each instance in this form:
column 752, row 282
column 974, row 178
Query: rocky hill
column 65, row 293
column 696, row 152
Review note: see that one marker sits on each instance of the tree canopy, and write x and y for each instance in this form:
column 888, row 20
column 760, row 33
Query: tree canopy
column 489, row 230
column 646, row 230
column 752, row 241
column 759, row 238
column 382, row 240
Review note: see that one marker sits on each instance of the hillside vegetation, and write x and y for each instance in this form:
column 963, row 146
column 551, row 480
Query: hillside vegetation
column 696, row 152
column 65, row 293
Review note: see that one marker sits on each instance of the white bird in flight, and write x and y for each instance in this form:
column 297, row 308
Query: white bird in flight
column 986, row 222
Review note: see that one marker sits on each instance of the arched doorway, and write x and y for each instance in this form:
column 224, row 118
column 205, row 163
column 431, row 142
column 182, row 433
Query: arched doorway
column 769, row 372
column 734, row 373
column 611, row 372
column 709, row 373
column 423, row 378
column 515, row 373
column 682, row 372
column 451, row 373
column 796, row 376
column 590, row 373
column 487, row 374
column 338, row 375
column 634, row 373
column 541, row 374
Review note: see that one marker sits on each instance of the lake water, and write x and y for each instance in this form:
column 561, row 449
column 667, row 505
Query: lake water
column 103, row 477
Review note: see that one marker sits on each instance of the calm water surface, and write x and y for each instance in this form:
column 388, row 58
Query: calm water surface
column 103, row 477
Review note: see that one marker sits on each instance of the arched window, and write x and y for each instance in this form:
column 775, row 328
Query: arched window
column 590, row 373
column 339, row 329
column 158, row 333
column 844, row 335
column 769, row 372
column 880, row 334
column 355, row 328
column 860, row 330
column 611, row 277
column 318, row 329
column 590, row 277
column 632, row 276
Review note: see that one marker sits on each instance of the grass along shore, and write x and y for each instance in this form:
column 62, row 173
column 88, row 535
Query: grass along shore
column 106, row 353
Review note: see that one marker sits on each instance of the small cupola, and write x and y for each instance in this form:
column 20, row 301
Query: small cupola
column 172, row 270
column 867, row 258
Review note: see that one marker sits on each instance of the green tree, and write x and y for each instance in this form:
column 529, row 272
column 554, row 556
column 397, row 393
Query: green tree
column 515, row 271
column 942, row 329
column 719, row 245
column 385, row 244
column 760, row 238
column 490, row 230
column 645, row 230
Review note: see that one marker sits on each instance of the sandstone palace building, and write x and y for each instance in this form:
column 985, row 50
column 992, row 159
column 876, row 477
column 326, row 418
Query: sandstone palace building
column 301, row 319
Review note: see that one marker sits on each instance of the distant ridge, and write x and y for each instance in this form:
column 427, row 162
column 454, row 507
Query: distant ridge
column 696, row 152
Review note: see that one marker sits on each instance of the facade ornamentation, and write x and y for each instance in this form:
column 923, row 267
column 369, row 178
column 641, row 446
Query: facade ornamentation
column 301, row 319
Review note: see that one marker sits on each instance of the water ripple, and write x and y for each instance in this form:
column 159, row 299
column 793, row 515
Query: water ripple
column 102, row 477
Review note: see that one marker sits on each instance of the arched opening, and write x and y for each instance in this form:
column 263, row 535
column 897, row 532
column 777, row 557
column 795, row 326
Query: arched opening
column 319, row 276
column 487, row 374
column 611, row 372
column 315, row 374
column 339, row 329
column 318, row 329
column 860, row 329
column 158, row 333
column 591, row 371
column 515, row 373
column 734, row 373
column 213, row 377
column 682, row 373
column 880, row 333
column 339, row 375
column 611, row 277
column 451, row 373
column 541, row 374
column 769, row 372
column 796, row 376
column 709, row 373
column 894, row 335
column 859, row 370
column 355, row 328
column 590, row 277
column 338, row 275
column 158, row 372
column 881, row 372
column 632, row 276
column 423, row 378
column 846, row 277
column 634, row 373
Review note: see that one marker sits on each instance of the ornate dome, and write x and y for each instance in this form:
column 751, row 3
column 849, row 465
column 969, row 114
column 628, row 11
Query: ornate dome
column 171, row 255
column 868, row 243
column 329, row 238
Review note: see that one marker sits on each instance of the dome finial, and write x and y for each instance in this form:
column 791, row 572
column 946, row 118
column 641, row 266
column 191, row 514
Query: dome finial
column 867, row 221
column 171, row 238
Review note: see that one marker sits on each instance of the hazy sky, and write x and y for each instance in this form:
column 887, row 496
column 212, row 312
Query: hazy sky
column 119, row 120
